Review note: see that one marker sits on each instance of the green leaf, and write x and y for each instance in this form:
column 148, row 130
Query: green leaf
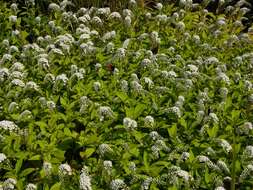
column 235, row 115
column 123, row 96
column 207, row 176
column 56, row 186
column 67, row 132
column 18, row 165
column 183, row 123
column 129, row 112
column 237, row 166
column 191, row 157
column 59, row 154
column 145, row 160
column 46, row 187
column 212, row 132
column 153, row 187
column 173, row 131
column 26, row 172
column 237, row 148
column 138, row 110
column 161, row 163
column 64, row 102
column 20, row 184
column 93, row 114
column 87, row 153
column 135, row 151
column 138, row 136
column 172, row 188
column 36, row 157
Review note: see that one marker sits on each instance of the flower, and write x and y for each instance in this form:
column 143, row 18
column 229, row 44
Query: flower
column 43, row 63
column 14, row 7
column 223, row 92
column 172, row 74
column 4, row 73
column 124, row 85
column 246, row 172
column 175, row 110
column 213, row 117
column 136, row 86
column 115, row 16
column 248, row 152
column 127, row 12
column 65, row 3
column 47, row 167
column 149, row 121
column 180, row 102
column 85, row 180
column 160, row 144
column 223, row 166
column 30, row 2
column 15, row 33
column 96, row 86
column 148, row 81
column 117, row 184
column 97, row 21
column 146, row 62
column 132, row 166
column 154, row 135
column 103, row 149
column 2, row 157
column 109, row 36
column 155, row 151
column 104, row 11
column 25, row 115
column 148, row 15
column 202, row 159
column 223, row 77
column 37, row 19
column 248, row 85
column 127, row 21
column 185, row 175
column 107, row 165
column 54, row 7
column 12, row 107
column 62, row 78
column 49, row 78
column 146, row 183
column 51, row 105
column 31, row 186
column 180, row 26
column 220, row 188
column 8, row 125
column 245, row 128
column 159, row 6
column 9, row 184
column 13, row 18
column 105, row 111
column 55, row 51
column 185, row 156
column 129, row 123
column 64, row 170
column 121, row 53
column 31, row 86
column 154, row 37
column 6, row 57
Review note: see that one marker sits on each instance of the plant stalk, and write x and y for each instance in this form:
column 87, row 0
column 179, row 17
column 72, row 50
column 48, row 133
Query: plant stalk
column 233, row 161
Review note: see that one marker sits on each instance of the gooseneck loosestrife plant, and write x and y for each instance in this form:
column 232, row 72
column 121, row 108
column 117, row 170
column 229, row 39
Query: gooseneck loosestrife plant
column 137, row 99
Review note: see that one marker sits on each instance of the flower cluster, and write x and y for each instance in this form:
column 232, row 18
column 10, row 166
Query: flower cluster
column 144, row 98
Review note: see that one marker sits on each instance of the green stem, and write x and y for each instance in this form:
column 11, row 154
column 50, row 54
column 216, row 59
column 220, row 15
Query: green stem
column 233, row 161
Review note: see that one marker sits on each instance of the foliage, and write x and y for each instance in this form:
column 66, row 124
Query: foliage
column 135, row 99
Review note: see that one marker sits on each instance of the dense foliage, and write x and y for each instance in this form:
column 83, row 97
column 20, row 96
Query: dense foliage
column 135, row 99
